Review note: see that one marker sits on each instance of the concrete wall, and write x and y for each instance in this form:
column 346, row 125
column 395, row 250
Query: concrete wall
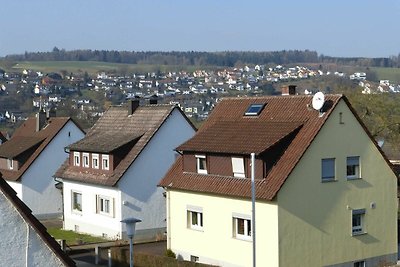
column 20, row 245
column 215, row 243
column 315, row 218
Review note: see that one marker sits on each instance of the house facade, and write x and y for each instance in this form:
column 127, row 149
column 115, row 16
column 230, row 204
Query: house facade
column 112, row 173
column 32, row 155
column 325, row 193
column 31, row 244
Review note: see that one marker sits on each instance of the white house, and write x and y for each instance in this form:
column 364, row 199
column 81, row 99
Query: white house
column 112, row 173
column 24, row 240
column 30, row 158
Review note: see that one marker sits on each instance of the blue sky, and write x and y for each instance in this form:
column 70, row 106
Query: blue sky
column 368, row 28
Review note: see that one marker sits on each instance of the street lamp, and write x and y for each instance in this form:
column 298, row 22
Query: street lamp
column 130, row 231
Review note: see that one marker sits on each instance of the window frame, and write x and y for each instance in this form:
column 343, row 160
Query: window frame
column 199, row 159
column 358, row 229
column 254, row 109
column 197, row 212
column 10, row 164
column 356, row 167
column 101, row 206
column 247, row 225
column 73, row 203
column 324, row 177
column 359, row 263
column 85, row 160
column 105, row 158
column 238, row 164
column 95, row 158
column 77, row 158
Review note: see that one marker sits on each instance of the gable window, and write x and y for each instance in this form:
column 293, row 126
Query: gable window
column 353, row 167
column 238, row 167
column 76, row 201
column 105, row 162
column 195, row 218
column 95, row 161
column 201, row 162
column 328, row 169
column 254, row 109
column 358, row 221
column 359, row 264
column 10, row 164
column 77, row 159
column 242, row 227
column 85, row 160
column 104, row 205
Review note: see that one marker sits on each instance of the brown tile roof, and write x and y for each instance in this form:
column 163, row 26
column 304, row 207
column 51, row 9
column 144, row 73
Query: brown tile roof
column 26, row 214
column 144, row 122
column 228, row 136
column 290, row 109
column 18, row 145
column 28, row 130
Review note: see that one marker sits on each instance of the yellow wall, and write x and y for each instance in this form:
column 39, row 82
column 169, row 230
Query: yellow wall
column 216, row 244
column 315, row 217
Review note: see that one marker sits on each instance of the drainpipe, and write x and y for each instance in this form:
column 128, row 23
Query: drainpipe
column 253, row 207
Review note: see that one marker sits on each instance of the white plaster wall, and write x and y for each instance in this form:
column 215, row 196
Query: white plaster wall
column 38, row 185
column 17, row 186
column 20, row 245
column 89, row 221
column 139, row 186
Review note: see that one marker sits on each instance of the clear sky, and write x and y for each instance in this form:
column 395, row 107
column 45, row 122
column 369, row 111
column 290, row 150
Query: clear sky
column 345, row 28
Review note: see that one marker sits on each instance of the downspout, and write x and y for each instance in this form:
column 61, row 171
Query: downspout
column 27, row 246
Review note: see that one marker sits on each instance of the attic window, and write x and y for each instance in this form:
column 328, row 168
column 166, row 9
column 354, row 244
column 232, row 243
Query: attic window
column 254, row 110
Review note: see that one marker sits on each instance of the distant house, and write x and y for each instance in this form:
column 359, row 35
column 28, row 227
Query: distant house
column 325, row 193
column 32, row 155
column 112, row 173
column 24, row 240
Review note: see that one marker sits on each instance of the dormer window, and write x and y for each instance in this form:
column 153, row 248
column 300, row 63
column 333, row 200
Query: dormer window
column 105, row 162
column 85, row 160
column 77, row 159
column 201, row 163
column 238, row 167
column 10, row 164
column 254, row 109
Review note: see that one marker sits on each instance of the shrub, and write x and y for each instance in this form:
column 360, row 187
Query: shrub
column 169, row 253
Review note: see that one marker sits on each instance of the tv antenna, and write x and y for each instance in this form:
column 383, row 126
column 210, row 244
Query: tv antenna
column 318, row 101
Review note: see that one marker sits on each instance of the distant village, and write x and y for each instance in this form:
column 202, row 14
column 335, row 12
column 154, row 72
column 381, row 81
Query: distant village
column 196, row 93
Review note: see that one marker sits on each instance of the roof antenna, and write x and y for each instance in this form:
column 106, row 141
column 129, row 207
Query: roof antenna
column 318, row 101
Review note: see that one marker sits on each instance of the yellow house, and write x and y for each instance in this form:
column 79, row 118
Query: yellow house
column 325, row 193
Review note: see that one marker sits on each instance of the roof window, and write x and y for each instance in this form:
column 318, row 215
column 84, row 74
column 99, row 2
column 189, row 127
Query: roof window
column 254, row 109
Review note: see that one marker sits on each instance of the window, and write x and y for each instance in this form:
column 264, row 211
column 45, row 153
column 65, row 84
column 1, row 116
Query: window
column 77, row 159
column 76, row 201
column 238, row 167
column 353, row 167
column 85, row 160
column 201, row 164
column 242, row 227
column 105, row 205
column 95, row 161
column 358, row 221
column 328, row 169
column 359, row 264
column 195, row 217
column 105, row 162
column 194, row 258
column 10, row 164
column 254, row 109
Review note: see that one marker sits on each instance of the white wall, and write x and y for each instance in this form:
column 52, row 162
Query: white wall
column 139, row 186
column 17, row 186
column 38, row 185
column 20, row 245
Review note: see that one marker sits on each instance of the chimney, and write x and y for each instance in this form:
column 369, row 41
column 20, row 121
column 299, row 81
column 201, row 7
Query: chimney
column 50, row 113
column 153, row 100
column 133, row 104
column 40, row 120
column 288, row 90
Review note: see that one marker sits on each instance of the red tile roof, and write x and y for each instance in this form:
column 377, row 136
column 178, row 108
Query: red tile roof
column 289, row 109
column 26, row 214
column 27, row 131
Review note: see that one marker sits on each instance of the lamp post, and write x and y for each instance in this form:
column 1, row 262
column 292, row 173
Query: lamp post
column 130, row 231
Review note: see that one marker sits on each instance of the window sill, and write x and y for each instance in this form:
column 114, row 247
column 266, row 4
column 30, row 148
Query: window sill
column 77, row 212
column 358, row 234
column 198, row 229
column 244, row 238
column 328, row 180
column 349, row 178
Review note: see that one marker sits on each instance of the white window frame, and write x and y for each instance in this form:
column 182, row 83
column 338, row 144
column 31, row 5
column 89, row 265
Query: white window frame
column 358, row 222
column 199, row 159
column 324, row 165
column 238, row 167
column 10, row 164
column 197, row 214
column 85, row 160
column 77, row 159
column 359, row 263
column 105, row 158
column 353, row 165
column 102, row 206
column 95, row 161
column 246, row 220
column 73, row 203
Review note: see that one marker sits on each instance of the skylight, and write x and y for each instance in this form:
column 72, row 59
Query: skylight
column 254, row 109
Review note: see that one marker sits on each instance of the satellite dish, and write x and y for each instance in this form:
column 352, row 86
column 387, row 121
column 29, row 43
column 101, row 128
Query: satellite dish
column 318, row 101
